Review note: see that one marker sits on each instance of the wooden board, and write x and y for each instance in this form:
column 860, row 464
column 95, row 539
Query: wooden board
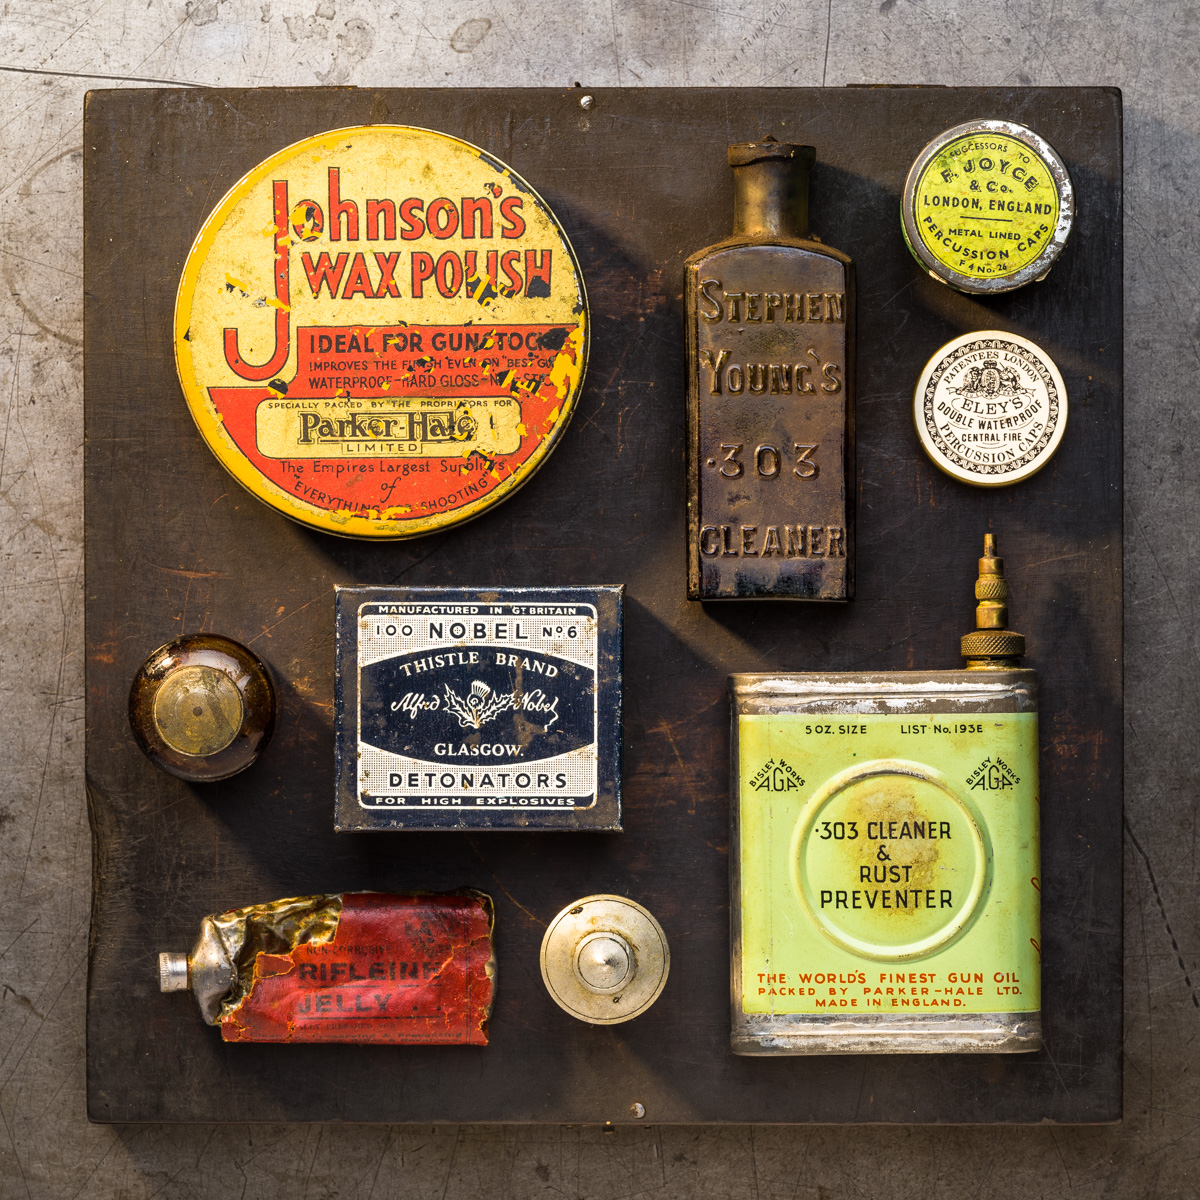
column 173, row 544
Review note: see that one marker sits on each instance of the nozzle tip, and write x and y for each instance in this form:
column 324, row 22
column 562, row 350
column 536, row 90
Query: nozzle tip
column 172, row 972
column 989, row 545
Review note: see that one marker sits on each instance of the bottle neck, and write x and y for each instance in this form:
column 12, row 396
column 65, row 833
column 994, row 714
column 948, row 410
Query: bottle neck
column 770, row 197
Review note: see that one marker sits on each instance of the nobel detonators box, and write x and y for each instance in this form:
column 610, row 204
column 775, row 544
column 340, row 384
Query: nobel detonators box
column 479, row 708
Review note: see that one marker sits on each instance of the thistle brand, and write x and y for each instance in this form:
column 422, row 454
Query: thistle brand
column 468, row 708
column 381, row 331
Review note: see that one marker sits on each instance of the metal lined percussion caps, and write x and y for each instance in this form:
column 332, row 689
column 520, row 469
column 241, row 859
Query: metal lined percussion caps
column 990, row 408
column 605, row 959
column 987, row 207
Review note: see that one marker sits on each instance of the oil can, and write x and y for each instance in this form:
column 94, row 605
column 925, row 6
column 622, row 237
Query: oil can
column 770, row 335
column 884, row 854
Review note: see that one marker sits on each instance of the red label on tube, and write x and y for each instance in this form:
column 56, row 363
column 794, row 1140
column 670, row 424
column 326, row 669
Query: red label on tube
column 398, row 969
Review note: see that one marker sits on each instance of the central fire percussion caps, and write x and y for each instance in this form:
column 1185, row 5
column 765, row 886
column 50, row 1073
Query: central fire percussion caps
column 381, row 331
column 987, row 207
column 990, row 408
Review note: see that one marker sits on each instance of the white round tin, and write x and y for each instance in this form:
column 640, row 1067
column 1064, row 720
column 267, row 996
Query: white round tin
column 990, row 408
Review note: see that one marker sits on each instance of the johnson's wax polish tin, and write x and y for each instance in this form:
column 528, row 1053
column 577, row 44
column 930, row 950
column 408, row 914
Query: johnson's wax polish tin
column 884, row 855
column 479, row 708
column 381, row 331
column 350, row 967
column 987, row 207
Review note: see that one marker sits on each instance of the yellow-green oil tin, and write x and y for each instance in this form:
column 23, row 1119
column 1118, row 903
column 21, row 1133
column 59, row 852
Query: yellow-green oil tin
column 885, row 891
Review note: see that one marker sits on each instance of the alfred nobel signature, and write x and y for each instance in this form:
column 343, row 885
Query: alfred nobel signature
column 480, row 705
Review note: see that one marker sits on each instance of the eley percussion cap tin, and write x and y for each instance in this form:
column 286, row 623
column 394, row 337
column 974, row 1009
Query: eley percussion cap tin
column 987, row 207
column 990, row 408
column 381, row 331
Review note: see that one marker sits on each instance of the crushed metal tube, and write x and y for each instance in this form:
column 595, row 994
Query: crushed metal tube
column 352, row 967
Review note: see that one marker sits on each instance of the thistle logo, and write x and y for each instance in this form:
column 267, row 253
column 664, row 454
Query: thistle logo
column 481, row 705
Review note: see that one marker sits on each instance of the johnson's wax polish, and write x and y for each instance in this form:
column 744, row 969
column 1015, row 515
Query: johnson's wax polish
column 770, row 341
column 354, row 967
column 885, row 891
column 381, row 331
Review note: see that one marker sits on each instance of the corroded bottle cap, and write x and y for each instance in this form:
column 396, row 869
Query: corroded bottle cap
column 202, row 707
column 605, row 959
column 742, row 154
column 987, row 207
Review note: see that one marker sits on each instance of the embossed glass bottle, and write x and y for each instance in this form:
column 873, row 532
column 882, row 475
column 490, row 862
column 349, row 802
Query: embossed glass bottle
column 770, row 338
column 884, row 853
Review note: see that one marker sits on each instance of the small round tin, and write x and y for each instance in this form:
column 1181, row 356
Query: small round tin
column 381, row 331
column 987, row 207
column 605, row 959
column 990, row 408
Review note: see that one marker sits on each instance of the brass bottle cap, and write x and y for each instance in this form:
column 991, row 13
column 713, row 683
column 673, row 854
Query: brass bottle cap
column 202, row 707
column 988, row 207
column 605, row 959
column 990, row 646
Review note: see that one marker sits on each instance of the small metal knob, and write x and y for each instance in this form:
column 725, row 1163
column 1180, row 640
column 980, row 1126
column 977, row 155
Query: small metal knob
column 202, row 707
column 605, row 959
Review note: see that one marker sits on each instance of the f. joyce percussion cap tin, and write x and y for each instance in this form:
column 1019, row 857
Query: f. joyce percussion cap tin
column 987, row 207
column 381, row 331
column 990, row 408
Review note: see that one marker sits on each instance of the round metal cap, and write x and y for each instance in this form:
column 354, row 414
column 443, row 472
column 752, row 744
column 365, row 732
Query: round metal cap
column 198, row 710
column 172, row 972
column 988, row 207
column 605, row 959
column 990, row 408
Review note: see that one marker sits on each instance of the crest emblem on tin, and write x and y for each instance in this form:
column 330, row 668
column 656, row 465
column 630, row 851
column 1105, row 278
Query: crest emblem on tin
column 990, row 408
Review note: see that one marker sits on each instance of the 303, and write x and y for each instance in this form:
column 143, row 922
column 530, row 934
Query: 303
column 768, row 460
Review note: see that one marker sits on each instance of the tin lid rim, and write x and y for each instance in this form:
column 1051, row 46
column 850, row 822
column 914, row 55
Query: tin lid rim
column 1032, row 271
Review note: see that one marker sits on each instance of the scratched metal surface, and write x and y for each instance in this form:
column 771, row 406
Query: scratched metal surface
column 607, row 506
column 52, row 52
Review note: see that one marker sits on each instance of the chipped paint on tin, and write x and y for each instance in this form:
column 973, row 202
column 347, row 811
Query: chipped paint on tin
column 470, row 708
column 381, row 331
column 988, row 206
column 358, row 967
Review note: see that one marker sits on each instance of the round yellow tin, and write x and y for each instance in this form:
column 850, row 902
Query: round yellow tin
column 381, row 331
column 987, row 207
